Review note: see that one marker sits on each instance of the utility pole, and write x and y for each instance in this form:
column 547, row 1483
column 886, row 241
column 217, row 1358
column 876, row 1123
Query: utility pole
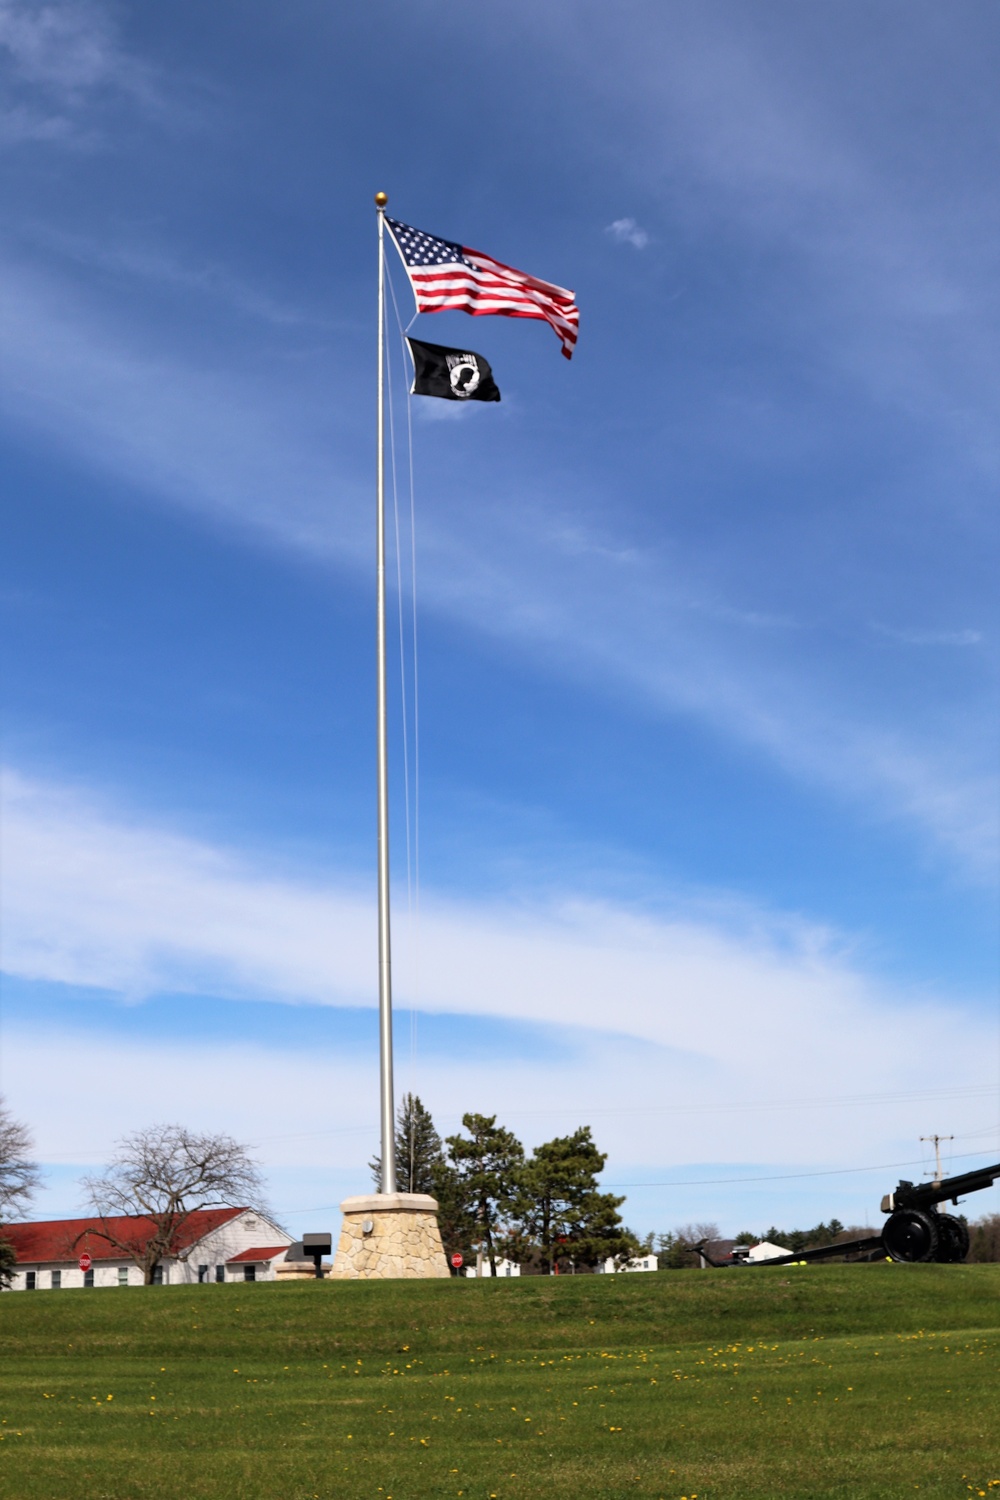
column 936, row 1140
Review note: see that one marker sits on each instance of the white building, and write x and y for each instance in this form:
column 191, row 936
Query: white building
column 215, row 1244
column 482, row 1268
column 641, row 1263
column 766, row 1251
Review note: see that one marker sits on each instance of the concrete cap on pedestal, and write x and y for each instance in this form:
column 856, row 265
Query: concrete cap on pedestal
column 376, row 1203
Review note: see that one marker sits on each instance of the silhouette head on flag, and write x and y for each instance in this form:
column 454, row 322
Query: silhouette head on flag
column 453, row 374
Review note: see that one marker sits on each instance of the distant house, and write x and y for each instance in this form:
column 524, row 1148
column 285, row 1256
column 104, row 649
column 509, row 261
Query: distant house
column 214, row 1244
column 504, row 1267
column 640, row 1263
column 743, row 1254
column 766, row 1251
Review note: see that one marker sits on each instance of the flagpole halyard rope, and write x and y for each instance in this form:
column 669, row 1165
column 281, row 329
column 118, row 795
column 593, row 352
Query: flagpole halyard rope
column 399, row 611
column 413, row 891
column 416, row 741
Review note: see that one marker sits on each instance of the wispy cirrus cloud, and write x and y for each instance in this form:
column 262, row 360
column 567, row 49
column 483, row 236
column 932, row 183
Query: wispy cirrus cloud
column 56, row 59
column 914, row 636
column 256, row 444
column 92, row 897
column 698, row 1001
column 259, row 451
column 66, row 47
column 895, row 264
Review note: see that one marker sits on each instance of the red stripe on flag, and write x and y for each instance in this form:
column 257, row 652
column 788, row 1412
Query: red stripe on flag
column 486, row 287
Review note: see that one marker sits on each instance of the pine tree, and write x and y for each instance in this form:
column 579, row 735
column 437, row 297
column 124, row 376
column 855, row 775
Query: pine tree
column 456, row 1216
column 562, row 1214
column 487, row 1167
column 8, row 1260
column 419, row 1151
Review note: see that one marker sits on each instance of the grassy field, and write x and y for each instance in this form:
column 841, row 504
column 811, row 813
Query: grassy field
column 860, row 1381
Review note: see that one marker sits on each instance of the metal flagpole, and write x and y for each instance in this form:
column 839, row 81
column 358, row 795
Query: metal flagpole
column 384, row 946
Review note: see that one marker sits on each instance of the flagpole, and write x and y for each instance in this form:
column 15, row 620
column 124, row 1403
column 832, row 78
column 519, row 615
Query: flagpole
column 388, row 1179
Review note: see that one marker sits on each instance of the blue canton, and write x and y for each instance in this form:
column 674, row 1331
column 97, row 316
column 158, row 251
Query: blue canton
column 420, row 249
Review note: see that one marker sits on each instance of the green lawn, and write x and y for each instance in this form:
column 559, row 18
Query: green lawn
column 858, row 1381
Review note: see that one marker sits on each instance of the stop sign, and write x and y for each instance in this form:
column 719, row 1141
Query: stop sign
column 85, row 1262
column 456, row 1260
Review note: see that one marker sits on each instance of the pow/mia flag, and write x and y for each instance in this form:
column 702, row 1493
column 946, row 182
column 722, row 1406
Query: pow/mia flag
column 454, row 374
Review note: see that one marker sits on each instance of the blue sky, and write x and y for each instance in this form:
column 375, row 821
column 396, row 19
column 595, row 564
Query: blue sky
column 707, row 617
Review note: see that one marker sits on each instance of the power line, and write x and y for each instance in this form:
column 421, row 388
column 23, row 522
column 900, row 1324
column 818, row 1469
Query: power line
column 973, row 1091
column 890, row 1166
column 886, row 1166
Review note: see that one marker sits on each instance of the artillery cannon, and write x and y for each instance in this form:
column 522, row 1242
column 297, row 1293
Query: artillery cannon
column 914, row 1231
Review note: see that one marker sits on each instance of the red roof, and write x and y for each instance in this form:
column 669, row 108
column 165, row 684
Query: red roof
column 257, row 1254
column 66, row 1239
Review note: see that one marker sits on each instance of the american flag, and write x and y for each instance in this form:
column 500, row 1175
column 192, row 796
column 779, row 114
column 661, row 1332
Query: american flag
column 443, row 274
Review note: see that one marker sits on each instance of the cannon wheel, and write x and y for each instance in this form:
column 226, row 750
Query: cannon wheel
column 954, row 1238
column 911, row 1235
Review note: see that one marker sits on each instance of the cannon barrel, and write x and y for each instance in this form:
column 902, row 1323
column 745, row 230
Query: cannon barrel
column 925, row 1194
column 913, row 1232
column 868, row 1246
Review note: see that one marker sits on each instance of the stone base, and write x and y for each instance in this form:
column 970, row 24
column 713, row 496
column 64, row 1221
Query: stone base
column 298, row 1270
column 389, row 1234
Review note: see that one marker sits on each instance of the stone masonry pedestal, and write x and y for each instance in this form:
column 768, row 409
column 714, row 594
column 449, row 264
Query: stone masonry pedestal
column 389, row 1234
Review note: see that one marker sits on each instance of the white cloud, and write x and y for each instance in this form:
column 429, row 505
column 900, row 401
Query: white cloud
column 912, row 636
column 67, row 47
column 60, row 57
column 681, row 1005
column 628, row 232
column 23, row 124
column 527, row 568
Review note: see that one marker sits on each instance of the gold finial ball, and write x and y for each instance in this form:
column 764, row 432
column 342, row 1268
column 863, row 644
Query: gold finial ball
column 381, row 199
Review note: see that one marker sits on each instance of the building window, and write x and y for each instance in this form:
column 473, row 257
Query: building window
column 202, row 1274
column 123, row 1275
column 220, row 1273
column 29, row 1281
column 56, row 1280
column 158, row 1276
column 249, row 1273
column 88, row 1278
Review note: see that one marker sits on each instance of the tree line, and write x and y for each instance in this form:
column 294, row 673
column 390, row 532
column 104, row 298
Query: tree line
column 544, row 1210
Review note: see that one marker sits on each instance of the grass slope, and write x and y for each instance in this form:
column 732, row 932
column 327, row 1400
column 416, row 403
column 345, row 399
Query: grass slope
column 858, row 1381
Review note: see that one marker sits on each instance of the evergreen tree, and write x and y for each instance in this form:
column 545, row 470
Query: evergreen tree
column 487, row 1166
column 8, row 1260
column 562, row 1214
column 419, row 1152
column 456, row 1215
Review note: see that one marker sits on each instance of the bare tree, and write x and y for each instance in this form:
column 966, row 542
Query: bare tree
column 985, row 1238
column 677, row 1249
column 165, row 1174
column 19, row 1176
